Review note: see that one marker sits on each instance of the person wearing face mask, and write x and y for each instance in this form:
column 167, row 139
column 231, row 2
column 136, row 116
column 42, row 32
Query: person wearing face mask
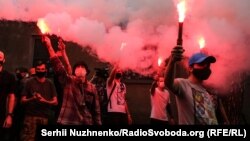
column 195, row 104
column 117, row 108
column 161, row 113
column 7, row 100
column 80, row 104
column 38, row 97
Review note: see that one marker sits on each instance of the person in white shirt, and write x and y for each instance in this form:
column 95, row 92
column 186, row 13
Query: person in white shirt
column 118, row 113
column 161, row 113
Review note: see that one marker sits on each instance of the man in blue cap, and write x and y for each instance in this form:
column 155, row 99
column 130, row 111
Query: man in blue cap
column 195, row 104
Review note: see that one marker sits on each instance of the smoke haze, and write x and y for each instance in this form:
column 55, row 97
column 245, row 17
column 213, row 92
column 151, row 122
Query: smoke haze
column 148, row 27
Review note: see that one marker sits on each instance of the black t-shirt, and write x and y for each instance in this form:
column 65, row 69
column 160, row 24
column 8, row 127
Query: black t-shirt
column 7, row 86
column 47, row 91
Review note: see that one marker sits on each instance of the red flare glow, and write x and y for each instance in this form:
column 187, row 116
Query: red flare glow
column 181, row 7
column 159, row 61
column 202, row 43
column 41, row 23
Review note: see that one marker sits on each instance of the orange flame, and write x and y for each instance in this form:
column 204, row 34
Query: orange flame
column 202, row 43
column 159, row 61
column 41, row 23
column 181, row 7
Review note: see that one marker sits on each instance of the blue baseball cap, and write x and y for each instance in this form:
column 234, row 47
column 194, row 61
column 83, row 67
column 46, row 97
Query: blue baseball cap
column 200, row 57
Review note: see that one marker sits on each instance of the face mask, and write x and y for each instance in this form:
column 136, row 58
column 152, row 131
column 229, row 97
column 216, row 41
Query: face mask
column 161, row 85
column 40, row 74
column 202, row 74
column 118, row 75
column 80, row 72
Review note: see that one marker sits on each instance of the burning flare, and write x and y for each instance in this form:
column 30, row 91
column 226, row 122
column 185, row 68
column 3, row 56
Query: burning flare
column 159, row 61
column 41, row 23
column 181, row 7
column 202, row 43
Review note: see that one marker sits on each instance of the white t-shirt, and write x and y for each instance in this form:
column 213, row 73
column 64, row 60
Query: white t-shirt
column 194, row 104
column 159, row 102
column 118, row 100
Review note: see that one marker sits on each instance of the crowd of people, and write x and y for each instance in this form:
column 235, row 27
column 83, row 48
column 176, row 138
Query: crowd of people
column 29, row 99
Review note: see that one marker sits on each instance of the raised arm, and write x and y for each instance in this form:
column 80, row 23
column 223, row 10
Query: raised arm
column 153, row 86
column 62, row 49
column 55, row 62
column 176, row 55
column 49, row 47
column 112, row 76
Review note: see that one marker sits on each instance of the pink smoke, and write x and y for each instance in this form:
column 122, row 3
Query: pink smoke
column 224, row 25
